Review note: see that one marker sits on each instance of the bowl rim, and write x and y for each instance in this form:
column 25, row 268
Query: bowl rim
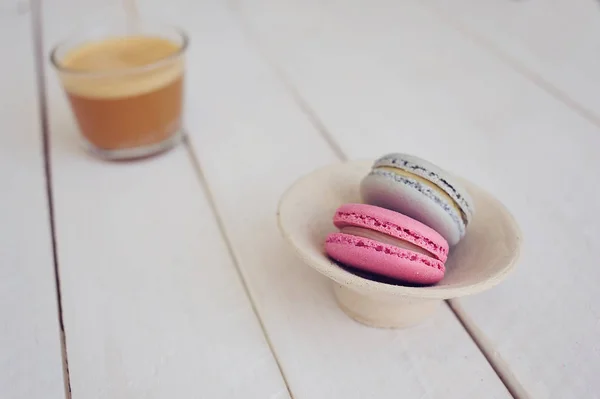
column 335, row 272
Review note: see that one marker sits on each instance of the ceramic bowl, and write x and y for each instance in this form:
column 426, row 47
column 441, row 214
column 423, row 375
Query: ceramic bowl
column 484, row 257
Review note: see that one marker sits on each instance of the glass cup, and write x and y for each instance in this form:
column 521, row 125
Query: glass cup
column 125, row 87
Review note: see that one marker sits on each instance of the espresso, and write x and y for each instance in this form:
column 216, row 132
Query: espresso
column 125, row 92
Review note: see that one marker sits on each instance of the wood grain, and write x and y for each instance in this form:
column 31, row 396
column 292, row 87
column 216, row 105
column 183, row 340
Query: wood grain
column 153, row 305
column 252, row 141
column 396, row 77
column 30, row 360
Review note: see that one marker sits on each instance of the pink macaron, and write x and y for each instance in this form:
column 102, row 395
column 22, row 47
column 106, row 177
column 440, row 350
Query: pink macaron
column 387, row 243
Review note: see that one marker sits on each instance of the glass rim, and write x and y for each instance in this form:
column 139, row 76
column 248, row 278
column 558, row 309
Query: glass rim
column 121, row 71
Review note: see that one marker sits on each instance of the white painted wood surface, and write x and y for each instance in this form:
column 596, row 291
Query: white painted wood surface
column 30, row 351
column 252, row 141
column 395, row 76
column 559, row 41
column 153, row 306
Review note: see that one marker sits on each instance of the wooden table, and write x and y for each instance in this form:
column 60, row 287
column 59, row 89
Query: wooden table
column 168, row 278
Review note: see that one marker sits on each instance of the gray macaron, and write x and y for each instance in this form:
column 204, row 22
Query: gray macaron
column 421, row 190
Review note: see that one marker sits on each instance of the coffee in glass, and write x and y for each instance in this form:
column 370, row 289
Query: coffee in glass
column 125, row 87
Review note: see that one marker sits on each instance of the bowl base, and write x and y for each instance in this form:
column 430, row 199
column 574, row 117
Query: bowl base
column 383, row 311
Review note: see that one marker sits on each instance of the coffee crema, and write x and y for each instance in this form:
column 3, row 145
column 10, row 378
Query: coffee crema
column 126, row 92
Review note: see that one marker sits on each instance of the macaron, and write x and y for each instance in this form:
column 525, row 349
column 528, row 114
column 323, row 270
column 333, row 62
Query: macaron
column 421, row 190
column 387, row 243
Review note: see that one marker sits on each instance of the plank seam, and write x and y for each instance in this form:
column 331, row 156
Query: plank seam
column 38, row 56
column 493, row 357
column 306, row 109
column 230, row 249
column 513, row 63
column 498, row 365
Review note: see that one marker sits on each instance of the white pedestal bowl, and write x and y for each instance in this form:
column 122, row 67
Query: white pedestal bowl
column 485, row 256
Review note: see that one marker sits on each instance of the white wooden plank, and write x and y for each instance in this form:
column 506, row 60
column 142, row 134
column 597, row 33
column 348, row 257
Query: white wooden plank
column 252, row 142
column 558, row 40
column 153, row 306
column 30, row 360
column 395, row 77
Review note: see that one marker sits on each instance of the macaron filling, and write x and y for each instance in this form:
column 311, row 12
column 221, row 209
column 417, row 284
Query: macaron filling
column 385, row 239
column 434, row 174
column 392, row 225
column 431, row 185
column 427, row 191
column 343, row 248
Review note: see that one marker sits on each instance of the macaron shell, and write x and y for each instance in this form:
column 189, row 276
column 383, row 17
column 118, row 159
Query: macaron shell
column 409, row 197
column 386, row 260
column 434, row 174
column 393, row 224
